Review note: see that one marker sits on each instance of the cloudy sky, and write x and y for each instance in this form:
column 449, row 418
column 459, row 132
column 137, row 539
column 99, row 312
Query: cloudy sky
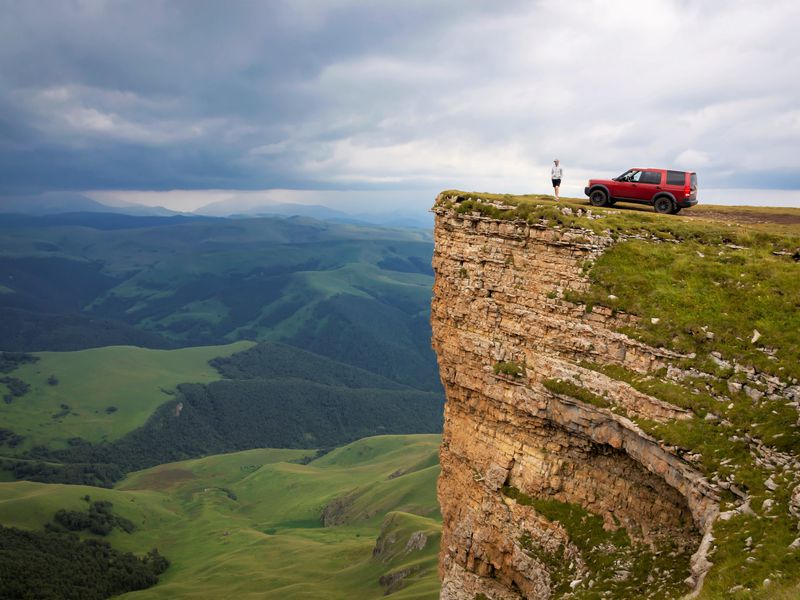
column 395, row 99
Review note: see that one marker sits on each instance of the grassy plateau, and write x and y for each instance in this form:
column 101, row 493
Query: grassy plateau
column 721, row 285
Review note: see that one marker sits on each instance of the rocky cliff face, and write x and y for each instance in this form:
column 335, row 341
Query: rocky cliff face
column 527, row 467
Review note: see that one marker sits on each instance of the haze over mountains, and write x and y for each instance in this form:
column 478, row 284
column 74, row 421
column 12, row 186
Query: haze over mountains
column 238, row 205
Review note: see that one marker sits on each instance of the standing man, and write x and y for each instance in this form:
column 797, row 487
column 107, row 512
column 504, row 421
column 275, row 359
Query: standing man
column 555, row 174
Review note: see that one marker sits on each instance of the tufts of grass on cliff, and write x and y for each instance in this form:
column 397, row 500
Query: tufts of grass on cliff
column 617, row 568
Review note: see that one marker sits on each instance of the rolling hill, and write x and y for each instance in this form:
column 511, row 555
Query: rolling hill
column 250, row 524
column 359, row 295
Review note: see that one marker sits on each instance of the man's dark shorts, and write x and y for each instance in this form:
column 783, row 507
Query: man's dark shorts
column 556, row 182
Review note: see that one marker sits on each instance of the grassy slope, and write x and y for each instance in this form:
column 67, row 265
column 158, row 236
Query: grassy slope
column 134, row 380
column 268, row 542
column 733, row 272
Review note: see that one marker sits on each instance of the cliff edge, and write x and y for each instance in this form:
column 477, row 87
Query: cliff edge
column 618, row 424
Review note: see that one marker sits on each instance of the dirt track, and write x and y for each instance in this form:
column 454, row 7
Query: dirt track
column 745, row 216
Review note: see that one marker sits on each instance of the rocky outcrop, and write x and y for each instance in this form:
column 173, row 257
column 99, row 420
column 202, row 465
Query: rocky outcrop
column 501, row 330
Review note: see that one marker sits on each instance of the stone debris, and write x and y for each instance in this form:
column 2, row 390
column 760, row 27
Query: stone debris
column 416, row 541
column 756, row 336
column 736, row 589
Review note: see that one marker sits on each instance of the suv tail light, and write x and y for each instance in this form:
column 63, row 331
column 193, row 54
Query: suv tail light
column 687, row 191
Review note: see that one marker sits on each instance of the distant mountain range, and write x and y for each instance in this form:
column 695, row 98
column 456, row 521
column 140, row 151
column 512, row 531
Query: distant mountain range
column 53, row 203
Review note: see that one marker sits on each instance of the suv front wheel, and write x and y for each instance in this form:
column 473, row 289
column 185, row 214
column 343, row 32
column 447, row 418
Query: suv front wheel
column 664, row 205
column 598, row 198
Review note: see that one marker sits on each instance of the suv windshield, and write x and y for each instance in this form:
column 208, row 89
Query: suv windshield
column 632, row 175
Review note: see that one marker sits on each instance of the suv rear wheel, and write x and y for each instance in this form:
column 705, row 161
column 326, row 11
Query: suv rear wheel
column 664, row 205
column 598, row 198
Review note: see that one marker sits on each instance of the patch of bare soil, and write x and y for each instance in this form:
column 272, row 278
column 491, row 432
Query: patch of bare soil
column 746, row 217
column 163, row 479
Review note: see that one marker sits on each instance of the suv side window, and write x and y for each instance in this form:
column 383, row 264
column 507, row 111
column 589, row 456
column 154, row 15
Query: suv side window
column 676, row 177
column 651, row 177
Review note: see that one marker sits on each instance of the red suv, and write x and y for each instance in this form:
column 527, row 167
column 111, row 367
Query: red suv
column 667, row 191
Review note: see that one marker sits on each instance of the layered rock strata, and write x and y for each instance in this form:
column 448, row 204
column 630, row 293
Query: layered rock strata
column 501, row 329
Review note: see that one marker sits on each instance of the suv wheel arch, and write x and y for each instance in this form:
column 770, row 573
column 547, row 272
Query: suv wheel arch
column 593, row 193
column 665, row 204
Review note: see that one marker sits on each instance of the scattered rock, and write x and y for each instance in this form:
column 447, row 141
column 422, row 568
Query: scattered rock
column 734, row 387
column 756, row 336
column 654, row 320
column 736, row 588
column 417, row 541
column 770, row 484
column 753, row 393
column 395, row 581
column 794, row 503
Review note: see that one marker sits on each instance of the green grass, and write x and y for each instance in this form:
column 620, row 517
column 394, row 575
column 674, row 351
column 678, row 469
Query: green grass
column 559, row 386
column 91, row 383
column 693, row 289
column 510, row 368
column 269, row 542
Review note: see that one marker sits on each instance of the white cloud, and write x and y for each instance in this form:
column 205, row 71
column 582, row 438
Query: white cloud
column 692, row 159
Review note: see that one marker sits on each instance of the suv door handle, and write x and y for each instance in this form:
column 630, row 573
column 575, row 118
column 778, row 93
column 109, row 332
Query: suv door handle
column 658, row 187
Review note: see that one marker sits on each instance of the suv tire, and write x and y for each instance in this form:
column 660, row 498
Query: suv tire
column 664, row 205
column 598, row 198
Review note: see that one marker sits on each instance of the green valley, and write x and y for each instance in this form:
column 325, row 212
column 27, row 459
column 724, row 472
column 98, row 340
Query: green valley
column 101, row 393
column 250, row 524
column 357, row 294
column 200, row 380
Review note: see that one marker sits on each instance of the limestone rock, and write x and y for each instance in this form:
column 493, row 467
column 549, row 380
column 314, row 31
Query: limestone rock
column 515, row 432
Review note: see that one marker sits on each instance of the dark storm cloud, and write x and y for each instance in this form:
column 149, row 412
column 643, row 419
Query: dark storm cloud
column 150, row 95
column 343, row 94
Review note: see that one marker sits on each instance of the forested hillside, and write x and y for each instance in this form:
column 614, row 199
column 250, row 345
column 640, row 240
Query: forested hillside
column 356, row 294
column 330, row 324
